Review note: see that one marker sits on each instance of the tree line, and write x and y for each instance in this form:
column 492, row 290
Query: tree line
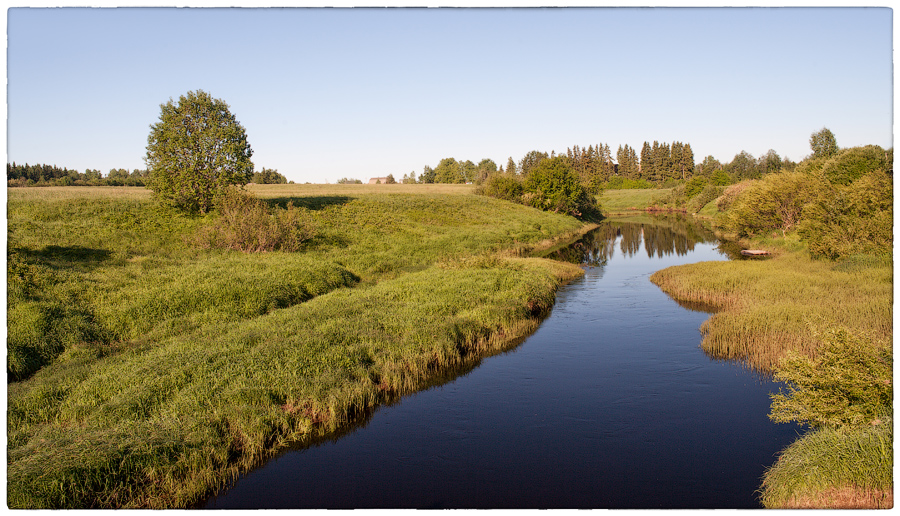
column 52, row 175
column 657, row 163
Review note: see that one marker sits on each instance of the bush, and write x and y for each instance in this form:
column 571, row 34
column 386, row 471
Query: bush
column 774, row 202
column 851, row 164
column 709, row 193
column 694, row 186
column 249, row 225
column 623, row 183
column 501, row 186
column 555, row 187
column 849, row 385
column 852, row 219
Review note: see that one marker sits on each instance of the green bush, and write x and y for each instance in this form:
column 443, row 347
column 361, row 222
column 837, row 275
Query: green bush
column 553, row 186
column 851, row 164
column 773, row 203
column 623, row 183
column 853, row 219
column 709, row 193
column 848, row 385
column 694, row 186
column 501, row 186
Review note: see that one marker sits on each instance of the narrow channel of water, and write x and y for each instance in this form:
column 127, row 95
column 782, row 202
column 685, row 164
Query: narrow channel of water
column 611, row 403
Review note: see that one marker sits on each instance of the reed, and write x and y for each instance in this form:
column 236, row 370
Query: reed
column 770, row 307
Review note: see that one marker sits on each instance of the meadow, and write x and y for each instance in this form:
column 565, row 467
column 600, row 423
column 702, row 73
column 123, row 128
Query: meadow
column 147, row 371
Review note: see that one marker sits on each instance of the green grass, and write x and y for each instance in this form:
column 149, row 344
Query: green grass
column 623, row 201
column 151, row 372
column 836, row 469
column 769, row 307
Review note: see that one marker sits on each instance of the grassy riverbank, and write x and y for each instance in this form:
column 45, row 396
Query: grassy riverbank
column 152, row 371
column 827, row 225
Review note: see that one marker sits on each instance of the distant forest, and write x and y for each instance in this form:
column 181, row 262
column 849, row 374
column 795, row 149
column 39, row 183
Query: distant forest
column 51, row 175
column 657, row 164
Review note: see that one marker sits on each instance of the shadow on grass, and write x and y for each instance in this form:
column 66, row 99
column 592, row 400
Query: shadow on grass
column 60, row 256
column 314, row 203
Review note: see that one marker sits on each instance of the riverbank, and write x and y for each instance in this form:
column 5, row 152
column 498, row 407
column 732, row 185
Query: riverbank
column 770, row 308
column 190, row 366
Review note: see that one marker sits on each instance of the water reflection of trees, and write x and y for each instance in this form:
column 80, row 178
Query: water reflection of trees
column 659, row 236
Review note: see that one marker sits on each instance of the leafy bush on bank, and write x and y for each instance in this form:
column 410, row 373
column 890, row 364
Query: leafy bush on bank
column 845, row 393
column 550, row 186
column 840, row 206
column 849, row 384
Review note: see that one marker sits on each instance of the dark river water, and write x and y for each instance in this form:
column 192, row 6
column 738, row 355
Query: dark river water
column 611, row 403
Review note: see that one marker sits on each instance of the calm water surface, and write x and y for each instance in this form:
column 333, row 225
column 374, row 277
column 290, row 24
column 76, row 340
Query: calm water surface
column 611, row 403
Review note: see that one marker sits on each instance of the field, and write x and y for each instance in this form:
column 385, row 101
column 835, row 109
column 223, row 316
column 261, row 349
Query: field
column 624, row 201
column 151, row 371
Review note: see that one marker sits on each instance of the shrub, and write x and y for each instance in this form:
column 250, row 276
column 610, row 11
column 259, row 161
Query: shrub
column 852, row 219
column 555, row 187
column 623, row 183
column 249, row 225
column 774, row 202
column 709, row 193
column 851, row 164
column 501, row 186
column 849, row 385
column 694, row 186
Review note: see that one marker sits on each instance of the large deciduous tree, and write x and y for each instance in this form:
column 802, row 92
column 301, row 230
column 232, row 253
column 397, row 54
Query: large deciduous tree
column 195, row 151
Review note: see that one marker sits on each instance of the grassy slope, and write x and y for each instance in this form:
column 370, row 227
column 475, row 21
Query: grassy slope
column 180, row 386
column 624, row 201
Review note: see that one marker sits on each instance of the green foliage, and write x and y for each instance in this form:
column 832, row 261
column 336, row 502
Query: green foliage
column 346, row 181
column 449, row 171
column 848, row 385
column 719, row 178
column 849, row 165
column 268, row 176
column 552, row 185
column 823, row 143
column 195, row 151
column 247, row 224
column 709, row 193
column 502, row 186
column 772, row 203
column 847, row 220
column 694, row 186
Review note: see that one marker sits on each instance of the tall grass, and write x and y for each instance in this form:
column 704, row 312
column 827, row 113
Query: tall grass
column 770, row 307
column 831, row 468
column 190, row 365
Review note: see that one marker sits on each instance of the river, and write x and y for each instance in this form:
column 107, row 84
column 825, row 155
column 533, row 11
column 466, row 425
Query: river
column 611, row 403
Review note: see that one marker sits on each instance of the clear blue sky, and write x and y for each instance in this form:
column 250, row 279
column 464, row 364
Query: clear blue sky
column 359, row 93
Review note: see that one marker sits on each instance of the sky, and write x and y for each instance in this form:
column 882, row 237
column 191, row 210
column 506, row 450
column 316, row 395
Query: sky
column 360, row 92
